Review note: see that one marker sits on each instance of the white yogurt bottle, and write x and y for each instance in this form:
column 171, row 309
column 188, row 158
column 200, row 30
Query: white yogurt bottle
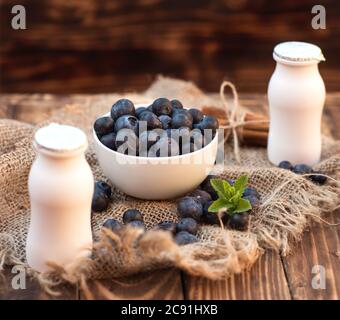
column 60, row 188
column 296, row 95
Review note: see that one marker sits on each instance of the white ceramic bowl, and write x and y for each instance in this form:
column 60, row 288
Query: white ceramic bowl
column 156, row 178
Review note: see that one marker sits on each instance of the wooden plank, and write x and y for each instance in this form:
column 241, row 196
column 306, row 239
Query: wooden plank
column 35, row 108
column 319, row 246
column 157, row 285
column 87, row 46
column 266, row 280
column 186, row 25
column 117, row 71
column 38, row 107
column 33, row 290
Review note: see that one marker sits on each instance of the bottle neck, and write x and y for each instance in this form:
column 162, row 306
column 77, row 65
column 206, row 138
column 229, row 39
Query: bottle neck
column 297, row 70
column 69, row 158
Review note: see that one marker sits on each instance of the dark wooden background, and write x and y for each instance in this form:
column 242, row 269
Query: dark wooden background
column 88, row 46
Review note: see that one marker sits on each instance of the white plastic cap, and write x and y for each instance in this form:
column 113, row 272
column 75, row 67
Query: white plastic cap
column 296, row 52
column 57, row 137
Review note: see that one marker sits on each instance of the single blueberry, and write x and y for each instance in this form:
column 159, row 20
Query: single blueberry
column 109, row 140
column 206, row 186
column 285, row 165
column 162, row 106
column 196, row 137
column 318, row 178
column 127, row 142
column 302, row 169
column 181, row 119
column 166, row 226
column 103, row 126
column 201, row 195
column 187, row 224
column 176, row 104
column 197, row 126
column 182, row 111
column 212, row 217
column 183, row 238
column 250, row 192
column 166, row 121
column 253, row 199
column 132, row 215
column 197, row 115
column 209, row 217
column 231, row 181
column 113, row 225
column 122, row 107
column 105, row 187
column 208, row 123
column 147, row 139
column 139, row 110
column 164, row 147
column 100, row 200
column 127, row 122
column 136, row 224
column 190, row 207
column 181, row 136
column 239, row 221
column 152, row 121
column 169, row 132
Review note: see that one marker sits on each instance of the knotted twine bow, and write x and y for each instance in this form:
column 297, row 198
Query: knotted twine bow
column 236, row 117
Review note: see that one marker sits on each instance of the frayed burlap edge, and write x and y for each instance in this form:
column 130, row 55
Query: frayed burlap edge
column 140, row 252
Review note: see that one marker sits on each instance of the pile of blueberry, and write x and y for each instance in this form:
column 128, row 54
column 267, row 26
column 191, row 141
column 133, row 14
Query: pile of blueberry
column 316, row 177
column 131, row 217
column 184, row 231
column 164, row 128
column 192, row 211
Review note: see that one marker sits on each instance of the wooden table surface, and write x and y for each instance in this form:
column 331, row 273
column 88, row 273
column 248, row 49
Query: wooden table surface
column 273, row 277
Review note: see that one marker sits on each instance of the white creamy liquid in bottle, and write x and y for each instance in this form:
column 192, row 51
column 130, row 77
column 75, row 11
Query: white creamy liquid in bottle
column 61, row 188
column 296, row 95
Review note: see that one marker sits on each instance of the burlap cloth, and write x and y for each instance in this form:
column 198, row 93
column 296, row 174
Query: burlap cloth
column 289, row 202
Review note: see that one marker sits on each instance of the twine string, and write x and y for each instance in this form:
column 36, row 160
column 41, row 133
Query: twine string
column 236, row 117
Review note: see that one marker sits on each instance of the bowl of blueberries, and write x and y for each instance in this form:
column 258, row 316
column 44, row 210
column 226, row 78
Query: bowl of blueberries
column 155, row 151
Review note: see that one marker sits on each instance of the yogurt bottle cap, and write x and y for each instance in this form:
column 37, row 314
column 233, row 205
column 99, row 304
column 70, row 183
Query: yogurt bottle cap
column 58, row 138
column 296, row 52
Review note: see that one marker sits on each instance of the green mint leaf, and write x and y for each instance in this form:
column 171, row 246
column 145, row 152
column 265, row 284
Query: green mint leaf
column 243, row 205
column 218, row 186
column 241, row 183
column 217, row 205
column 227, row 188
column 236, row 198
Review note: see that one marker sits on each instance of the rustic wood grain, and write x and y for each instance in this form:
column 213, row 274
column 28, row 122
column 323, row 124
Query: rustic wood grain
column 265, row 281
column 33, row 290
column 158, row 285
column 90, row 46
column 319, row 246
column 176, row 25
